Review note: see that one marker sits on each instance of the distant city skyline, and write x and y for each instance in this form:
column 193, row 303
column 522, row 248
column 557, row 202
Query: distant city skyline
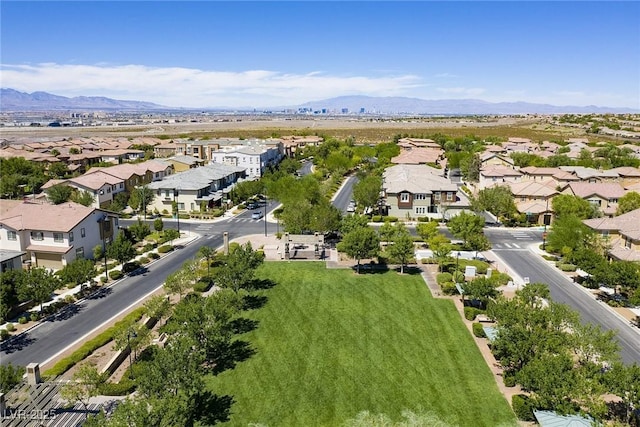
column 267, row 54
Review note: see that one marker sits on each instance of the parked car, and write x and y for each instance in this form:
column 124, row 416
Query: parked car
column 256, row 215
column 252, row 205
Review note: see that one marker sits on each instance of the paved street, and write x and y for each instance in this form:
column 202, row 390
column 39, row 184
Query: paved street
column 511, row 246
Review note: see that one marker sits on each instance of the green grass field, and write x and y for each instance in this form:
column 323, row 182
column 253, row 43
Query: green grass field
column 330, row 344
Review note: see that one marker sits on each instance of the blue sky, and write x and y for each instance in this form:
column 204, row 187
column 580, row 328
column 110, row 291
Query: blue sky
column 259, row 54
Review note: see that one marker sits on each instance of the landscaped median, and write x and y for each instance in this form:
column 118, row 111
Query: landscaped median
column 331, row 344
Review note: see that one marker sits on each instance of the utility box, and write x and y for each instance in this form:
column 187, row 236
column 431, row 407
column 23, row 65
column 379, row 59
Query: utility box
column 470, row 271
column 33, row 374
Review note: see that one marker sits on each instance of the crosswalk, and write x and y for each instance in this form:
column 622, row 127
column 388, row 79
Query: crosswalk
column 506, row 246
column 520, row 238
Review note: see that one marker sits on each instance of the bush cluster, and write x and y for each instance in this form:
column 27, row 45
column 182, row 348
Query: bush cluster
column 63, row 365
column 153, row 255
column 128, row 267
column 165, row 248
column 4, row 334
column 470, row 313
column 522, row 407
column 144, row 260
column 115, row 274
column 10, row 327
column 478, row 330
column 442, row 278
column 567, row 267
column 22, row 320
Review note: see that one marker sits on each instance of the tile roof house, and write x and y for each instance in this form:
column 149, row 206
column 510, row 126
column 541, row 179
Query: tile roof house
column 622, row 233
column 420, row 191
column 602, row 195
column 190, row 189
column 420, row 155
column 497, row 174
column 54, row 235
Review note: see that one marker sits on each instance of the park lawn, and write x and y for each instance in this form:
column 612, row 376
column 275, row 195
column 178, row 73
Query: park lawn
column 330, row 344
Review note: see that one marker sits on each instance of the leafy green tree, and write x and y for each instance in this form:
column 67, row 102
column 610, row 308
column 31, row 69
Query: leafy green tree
column 629, row 202
column 177, row 283
column 97, row 252
column 352, row 222
column 362, row 242
column 84, row 198
column 564, row 205
column 624, row 382
column 20, row 175
column 481, row 289
column 238, row 267
column 478, row 243
column 157, row 307
column 386, row 231
column 567, row 235
column 9, row 291
column 78, row 271
column 401, row 248
column 208, row 253
column 426, row 230
column 139, row 230
column 85, row 384
column 10, row 376
column 121, row 249
column 59, row 194
column 158, row 225
column 441, row 248
column 497, row 200
column 470, row 167
column 618, row 274
column 140, row 198
column 324, row 217
column 366, row 192
column 38, row 285
column 171, row 234
column 58, row 170
column 464, row 225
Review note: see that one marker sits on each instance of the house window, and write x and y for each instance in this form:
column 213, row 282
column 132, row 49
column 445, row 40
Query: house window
column 71, row 236
column 11, row 235
column 420, row 196
column 80, row 252
column 523, row 199
column 82, row 232
column 404, row 197
column 627, row 243
column 436, row 195
column 181, row 206
column 121, row 185
column 37, row 235
column 57, row 237
column 421, row 210
column 108, row 189
column 113, row 188
column 449, row 197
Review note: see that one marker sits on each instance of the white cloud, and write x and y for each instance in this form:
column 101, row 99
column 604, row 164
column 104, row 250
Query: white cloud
column 187, row 87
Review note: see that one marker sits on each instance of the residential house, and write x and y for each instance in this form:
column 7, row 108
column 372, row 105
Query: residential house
column 496, row 175
column 604, row 196
column 534, row 198
column 416, row 191
column 421, row 155
column 592, row 175
column 52, row 236
column 495, row 159
column 183, row 163
column 121, row 155
column 628, row 175
column 10, row 260
column 164, row 150
column 255, row 159
column 622, row 233
column 191, row 189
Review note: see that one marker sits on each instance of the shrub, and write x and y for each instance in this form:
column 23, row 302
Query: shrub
column 144, row 260
column 148, row 247
column 470, row 313
column 123, row 388
column 201, row 286
column 63, row 365
column 567, row 267
column 22, row 320
column 478, row 330
column 69, row 299
column 115, row 274
column 509, row 379
column 550, row 257
column 34, row 316
column 4, row 334
column 390, row 219
column 424, row 219
column 449, row 288
column 103, row 279
column 443, row 278
column 522, row 407
column 499, row 279
column 153, row 255
column 376, row 218
column 128, row 267
column 165, row 248
column 10, row 327
column 111, row 265
column 481, row 266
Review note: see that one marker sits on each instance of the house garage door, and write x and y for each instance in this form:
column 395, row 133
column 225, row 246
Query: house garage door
column 49, row 260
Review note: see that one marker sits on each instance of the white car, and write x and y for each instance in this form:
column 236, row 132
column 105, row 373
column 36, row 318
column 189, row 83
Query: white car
column 256, row 215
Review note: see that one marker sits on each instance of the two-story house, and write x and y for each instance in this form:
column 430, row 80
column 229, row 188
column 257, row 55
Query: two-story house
column 418, row 191
column 54, row 235
column 622, row 234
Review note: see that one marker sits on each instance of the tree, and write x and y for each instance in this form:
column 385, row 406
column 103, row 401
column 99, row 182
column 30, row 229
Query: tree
column 59, row 194
column 177, row 282
column 629, row 202
column 171, row 234
column 360, row 243
column 37, row 285
column 78, row 271
column 157, row 307
column 426, row 230
column 464, row 225
column 386, row 231
column 497, row 200
column 401, row 248
column 9, row 287
column 478, row 243
column 470, row 167
column 139, row 230
column 567, row 235
column 624, row 382
column 58, row 170
column 481, row 289
column 10, row 376
column 83, row 197
column 352, row 222
column 564, row 205
column 121, row 249
column 207, row 252
column 324, row 217
column 158, row 225
column 140, row 198
column 366, row 192
column 441, row 248
column 238, row 267
column 85, row 384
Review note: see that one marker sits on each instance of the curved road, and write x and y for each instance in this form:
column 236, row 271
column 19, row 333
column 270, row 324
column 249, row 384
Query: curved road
column 511, row 246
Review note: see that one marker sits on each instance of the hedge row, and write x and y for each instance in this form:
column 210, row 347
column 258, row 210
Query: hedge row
column 63, row 365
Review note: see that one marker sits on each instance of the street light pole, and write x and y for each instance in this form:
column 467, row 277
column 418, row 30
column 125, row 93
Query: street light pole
column 265, row 215
column 129, row 334
column 175, row 195
column 104, row 247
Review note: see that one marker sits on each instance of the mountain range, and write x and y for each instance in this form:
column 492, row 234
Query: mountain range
column 13, row 100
